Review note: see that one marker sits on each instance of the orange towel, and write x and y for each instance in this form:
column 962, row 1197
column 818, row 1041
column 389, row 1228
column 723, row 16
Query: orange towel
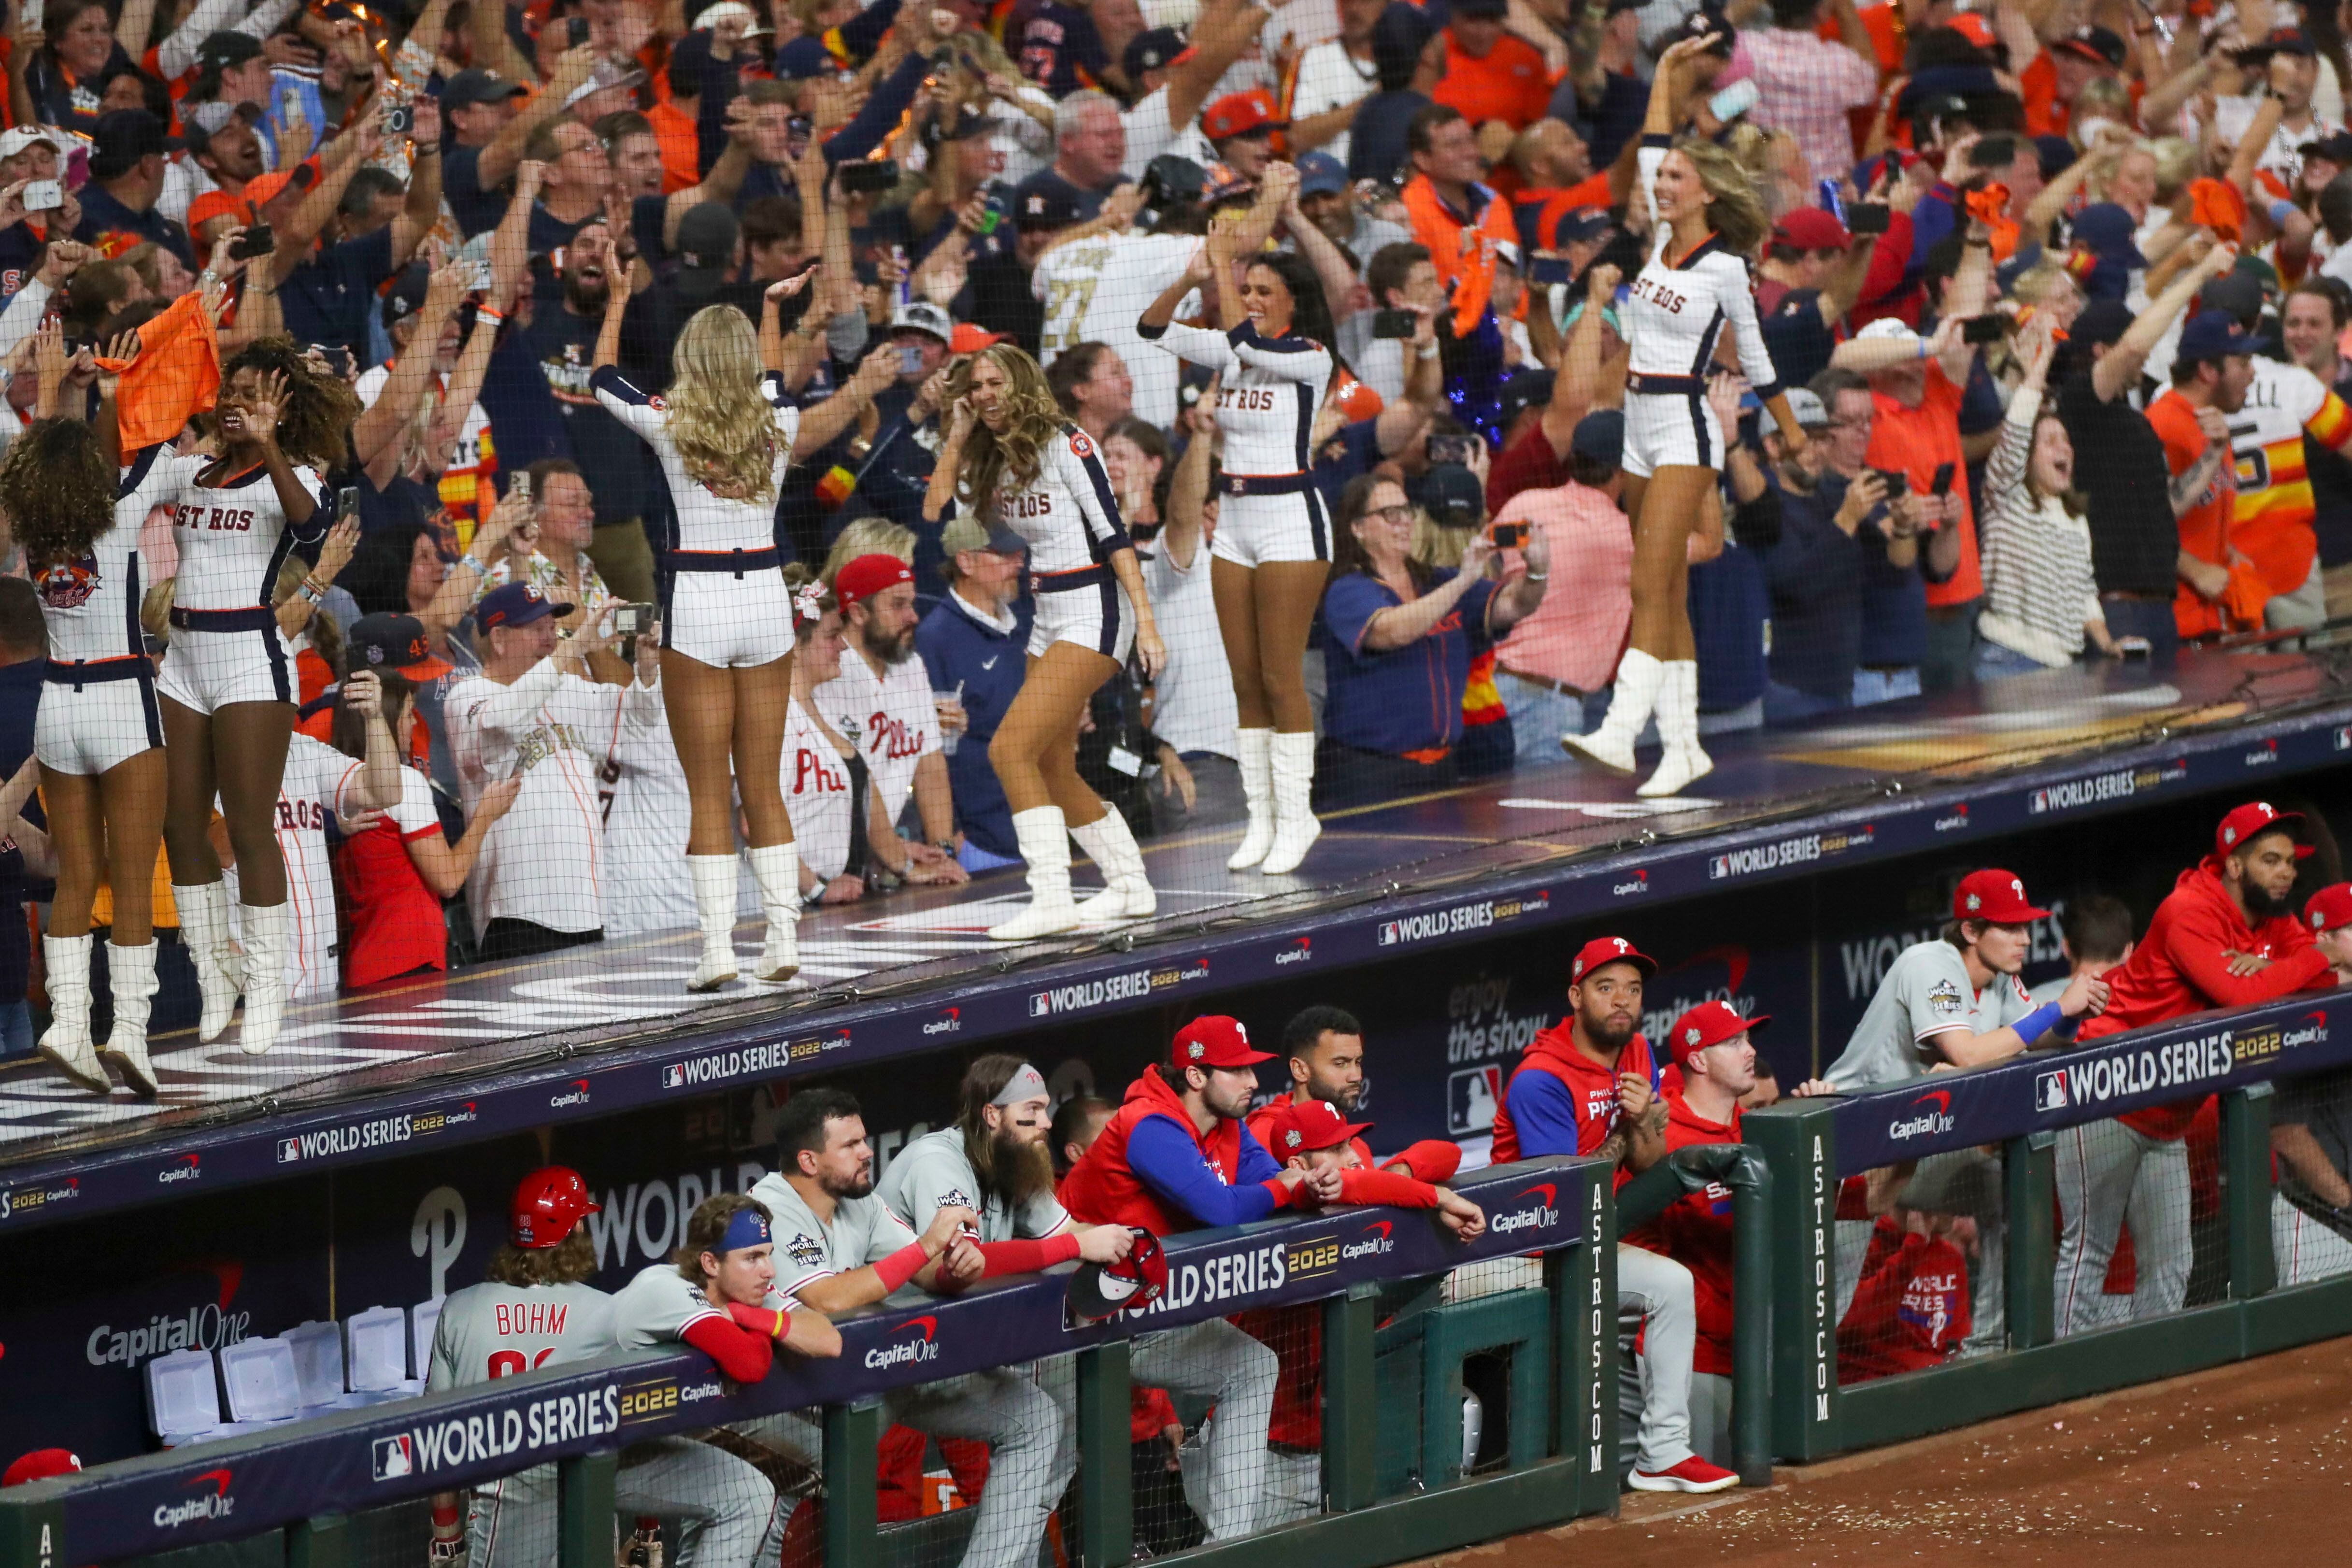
column 176, row 374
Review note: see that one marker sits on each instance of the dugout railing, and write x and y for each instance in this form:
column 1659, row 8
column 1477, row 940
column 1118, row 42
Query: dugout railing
column 2007, row 1122
column 349, row 1490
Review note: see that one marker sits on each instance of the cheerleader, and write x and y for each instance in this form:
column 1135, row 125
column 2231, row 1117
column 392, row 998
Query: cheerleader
column 1705, row 221
column 1011, row 456
column 227, row 683
column 724, row 432
column 1272, row 553
column 99, row 735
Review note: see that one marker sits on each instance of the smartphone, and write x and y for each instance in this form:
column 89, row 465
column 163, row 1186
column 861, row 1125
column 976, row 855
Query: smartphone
column 1394, row 323
column 32, row 12
column 575, row 30
column 1898, row 483
column 338, row 358
column 347, row 503
column 1985, row 329
column 867, row 177
column 1735, row 101
column 255, row 241
column 631, row 620
column 398, row 117
column 1942, row 483
column 2133, row 648
column 1547, row 269
column 44, row 195
column 1509, row 535
column 484, row 280
column 1453, row 449
column 1868, row 217
column 1832, row 200
column 911, row 360
column 988, row 222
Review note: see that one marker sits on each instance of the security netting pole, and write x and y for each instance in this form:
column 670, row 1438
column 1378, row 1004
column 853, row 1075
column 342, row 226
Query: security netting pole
column 853, row 1438
column 1752, row 1326
column 1350, row 1408
column 586, row 1485
column 1797, row 1138
column 1106, row 1481
column 323, row 1541
column 2029, row 1183
column 2246, row 1190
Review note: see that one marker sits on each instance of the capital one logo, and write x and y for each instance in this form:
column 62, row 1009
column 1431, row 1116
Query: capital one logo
column 1925, row 1116
column 916, row 1340
column 1377, row 1238
column 1542, row 1216
column 949, row 1022
column 210, row 1501
column 578, row 1096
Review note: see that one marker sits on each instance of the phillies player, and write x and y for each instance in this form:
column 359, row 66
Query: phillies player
column 1326, row 1051
column 1589, row 1086
column 2311, row 1133
column 1910, row 1305
column 2224, row 937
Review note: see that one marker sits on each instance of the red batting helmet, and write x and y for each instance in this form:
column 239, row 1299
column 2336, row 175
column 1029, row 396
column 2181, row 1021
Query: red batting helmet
column 547, row 1204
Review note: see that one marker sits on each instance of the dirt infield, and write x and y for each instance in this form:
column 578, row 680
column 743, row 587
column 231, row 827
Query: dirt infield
column 2190, row 1472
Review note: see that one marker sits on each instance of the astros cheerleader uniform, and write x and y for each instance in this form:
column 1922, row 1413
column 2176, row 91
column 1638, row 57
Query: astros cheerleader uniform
column 99, row 709
column 1672, row 316
column 1270, row 509
column 232, row 537
column 724, row 599
column 1070, row 518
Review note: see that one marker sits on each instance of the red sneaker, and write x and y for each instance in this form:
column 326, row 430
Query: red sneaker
column 1693, row 1475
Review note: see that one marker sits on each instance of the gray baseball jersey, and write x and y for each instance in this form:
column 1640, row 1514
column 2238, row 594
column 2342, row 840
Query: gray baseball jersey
column 660, row 1304
column 491, row 1331
column 1926, row 991
column 933, row 1172
column 863, row 1231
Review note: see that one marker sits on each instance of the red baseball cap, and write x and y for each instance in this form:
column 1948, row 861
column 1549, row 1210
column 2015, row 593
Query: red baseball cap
column 971, row 340
column 2329, row 908
column 39, row 1466
column 1307, row 1124
column 547, row 1204
column 1604, row 949
column 1812, row 228
column 867, row 576
column 1216, row 1041
column 1240, row 113
column 1994, row 895
column 1709, row 1024
column 2251, row 821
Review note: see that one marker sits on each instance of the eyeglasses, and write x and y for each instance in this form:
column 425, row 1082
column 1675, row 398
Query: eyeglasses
column 1397, row 514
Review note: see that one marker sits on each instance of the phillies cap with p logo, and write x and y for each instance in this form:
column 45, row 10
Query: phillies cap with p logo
column 1605, row 950
column 1994, row 895
column 1098, row 1290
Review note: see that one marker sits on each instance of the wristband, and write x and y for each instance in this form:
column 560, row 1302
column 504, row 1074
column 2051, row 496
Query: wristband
column 901, row 1266
column 489, row 313
column 2038, row 1023
column 470, row 559
column 310, row 591
column 1427, row 354
column 1923, row 348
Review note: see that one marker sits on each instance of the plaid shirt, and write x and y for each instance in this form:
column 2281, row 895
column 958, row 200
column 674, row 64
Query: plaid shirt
column 1807, row 84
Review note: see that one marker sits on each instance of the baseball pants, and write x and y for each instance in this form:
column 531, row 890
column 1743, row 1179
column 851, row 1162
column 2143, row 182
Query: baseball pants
column 1654, row 1296
column 1217, row 1361
column 727, row 1514
column 2306, row 1248
column 1294, row 1486
column 1005, row 1408
column 2108, row 1174
column 1967, row 1183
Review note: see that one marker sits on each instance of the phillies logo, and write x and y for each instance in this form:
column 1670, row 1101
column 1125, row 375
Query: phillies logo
column 894, row 738
column 906, row 1351
column 205, row 1505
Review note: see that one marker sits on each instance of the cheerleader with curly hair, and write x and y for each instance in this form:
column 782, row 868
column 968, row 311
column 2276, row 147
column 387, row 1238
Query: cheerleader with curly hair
column 1012, row 457
column 1706, row 221
column 725, row 431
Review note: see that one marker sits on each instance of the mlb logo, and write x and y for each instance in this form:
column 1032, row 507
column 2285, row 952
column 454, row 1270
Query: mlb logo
column 2038, row 803
column 1388, row 933
column 396, row 1457
column 2343, row 737
column 1040, row 1004
column 289, row 1151
column 1471, row 1096
column 674, row 1076
column 1719, row 867
column 2050, row 1091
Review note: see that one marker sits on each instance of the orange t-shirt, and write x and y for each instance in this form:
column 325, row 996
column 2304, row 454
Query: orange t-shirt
column 681, row 146
column 1510, row 84
column 1920, row 441
column 2205, row 527
column 1463, row 251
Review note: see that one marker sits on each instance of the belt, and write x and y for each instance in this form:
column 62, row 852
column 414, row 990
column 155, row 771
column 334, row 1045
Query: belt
column 1267, row 484
column 1067, row 582
column 79, row 673
column 2136, row 598
column 1561, row 687
column 1666, row 385
column 739, row 562
column 256, row 619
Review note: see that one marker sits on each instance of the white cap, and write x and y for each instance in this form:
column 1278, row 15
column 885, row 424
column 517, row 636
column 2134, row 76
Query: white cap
column 1805, row 407
column 727, row 11
column 1885, row 326
column 17, row 138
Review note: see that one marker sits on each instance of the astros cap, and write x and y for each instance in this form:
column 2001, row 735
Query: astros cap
column 2329, row 908
column 1993, row 895
column 1098, row 1290
column 2254, row 819
column 1709, row 1024
column 515, row 605
column 1214, row 1041
column 1604, row 949
column 547, row 1204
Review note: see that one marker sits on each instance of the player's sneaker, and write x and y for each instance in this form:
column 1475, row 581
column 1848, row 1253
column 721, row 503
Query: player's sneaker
column 1693, row 1475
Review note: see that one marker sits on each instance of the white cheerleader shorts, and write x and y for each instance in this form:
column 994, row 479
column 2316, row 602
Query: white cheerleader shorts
column 1084, row 607
column 1668, row 429
column 218, row 657
column 724, row 609
column 97, row 713
column 1257, row 528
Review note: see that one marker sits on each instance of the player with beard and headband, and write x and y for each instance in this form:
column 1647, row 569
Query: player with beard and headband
column 842, row 1248
column 882, row 701
column 2226, row 936
column 1325, row 1051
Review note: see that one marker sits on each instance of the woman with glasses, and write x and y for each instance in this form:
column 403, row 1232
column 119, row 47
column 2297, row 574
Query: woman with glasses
column 1403, row 634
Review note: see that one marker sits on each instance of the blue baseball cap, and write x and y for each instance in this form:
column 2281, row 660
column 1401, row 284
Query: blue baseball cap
column 2106, row 230
column 1600, row 435
column 1322, row 174
column 805, row 60
column 515, row 605
column 2213, row 335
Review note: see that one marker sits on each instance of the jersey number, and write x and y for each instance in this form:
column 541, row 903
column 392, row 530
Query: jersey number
column 506, row 1363
column 1073, row 294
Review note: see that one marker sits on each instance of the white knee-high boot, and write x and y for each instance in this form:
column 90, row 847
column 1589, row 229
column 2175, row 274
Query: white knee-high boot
column 1639, row 681
column 268, row 942
column 1683, row 763
column 777, row 868
column 1126, row 893
column 1045, row 847
column 1296, row 828
column 204, row 927
column 713, row 877
column 130, row 975
column 1255, row 755
column 67, row 1039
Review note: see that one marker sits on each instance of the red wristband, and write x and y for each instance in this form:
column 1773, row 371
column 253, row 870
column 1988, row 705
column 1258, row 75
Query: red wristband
column 901, row 1266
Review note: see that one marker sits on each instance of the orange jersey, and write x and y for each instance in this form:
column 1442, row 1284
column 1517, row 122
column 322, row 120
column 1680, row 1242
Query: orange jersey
column 2271, row 523
column 2204, row 527
column 1509, row 84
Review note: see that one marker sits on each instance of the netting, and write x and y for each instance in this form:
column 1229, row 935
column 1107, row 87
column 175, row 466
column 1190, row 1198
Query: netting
column 2311, row 1146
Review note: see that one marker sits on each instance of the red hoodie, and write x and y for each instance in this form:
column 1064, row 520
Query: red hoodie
column 1102, row 1188
column 2182, row 967
column 1694, row 1230
column 1592, row 1086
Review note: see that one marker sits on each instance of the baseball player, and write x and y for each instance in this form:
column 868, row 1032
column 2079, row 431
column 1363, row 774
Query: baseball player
column 1325, row 1051
column 843, row 1249
column 1176, row 1157
column 2311, row 1133
column 2224, row 937
column 1588, row 1086
column 1910, row 1306
column 1313, row 1135
column 1956, row 1001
